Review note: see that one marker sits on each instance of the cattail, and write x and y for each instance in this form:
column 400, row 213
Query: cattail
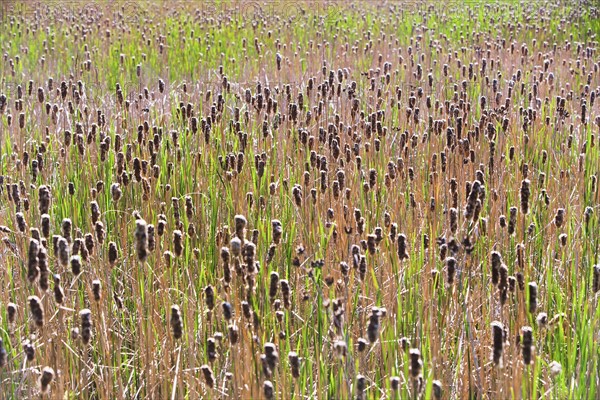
column 268, row 388
column 29, row 351
column 141, row 238
column 99, row 231
column 176, row 322
column 286, row 293
column 59, row 294
column 227, row 310
column 246, row 310
column 340, row 348
column 294, row 364
column 277, row 231
column 62, row 247
column 596, row 278
column 37, row 310
column 527, row 344
column 208, row 375
column 415, row 362
column 86, row 325
column 67, row 225
column 20, row 217
column 45, row 223
column 3, row 355
column 112, row 253
column 450, row 269
column 32, row 260
column 11, row 312
column 236, row 246
column 453, row 220
column 512, row 220
column 234, row 333
column 496, row 261
column 97, row 289
column 209, row 297
column 94, row 211
column 542, row 319
column 402, row 247
column 525, row 193
column 43, row 199
column 46, row 379
column 116, row 192
column 89, row 245
column 361, row 383
column 240, row 226
column 394, row 383
column 75, row 265
column 559, row 218
column 373, row 327
column 273, row 286
column 533, row 291
column 437, row 389
column 272, row 356
column 498, row 338
column 178, row 242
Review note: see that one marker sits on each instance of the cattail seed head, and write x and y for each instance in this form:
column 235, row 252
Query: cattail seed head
column 240, row 226
column 498, row 341
column 559, row 218
column 533, row 292
column 178, row 243
column 37, row 310
column 32, row 260
column 294, row 361
column 209, row 297
column 227, row 310
column 97, row 289
column 3, row 355
column 45, row 223
column 46, row 379
column 176, row 322
column 11, row 312
column 340, row 348
column 450, row 269
column 112, row 253
column 596, row 278
column 512, row 220
column 415, row 362
column 234, row 333
column 373, row 327
column 272, row 355
column 21, row 223
column 86, row 325
column 495, row 261
column 437, row 389
column 525, row 193
column 116, row 192
column 59, row 294
column 75, row 265
column 527, row 344
column 274, row 285
column 402, row 247
column 141, row 239
column 268, row 389
column 29, row 350
column 208, row 375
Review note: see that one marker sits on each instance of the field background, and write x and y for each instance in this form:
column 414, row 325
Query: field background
column 155, row 107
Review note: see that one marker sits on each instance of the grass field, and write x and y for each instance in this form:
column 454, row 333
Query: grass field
column 299, row 199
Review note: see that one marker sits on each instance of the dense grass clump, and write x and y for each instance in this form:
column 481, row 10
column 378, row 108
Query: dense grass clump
column 299, row 200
